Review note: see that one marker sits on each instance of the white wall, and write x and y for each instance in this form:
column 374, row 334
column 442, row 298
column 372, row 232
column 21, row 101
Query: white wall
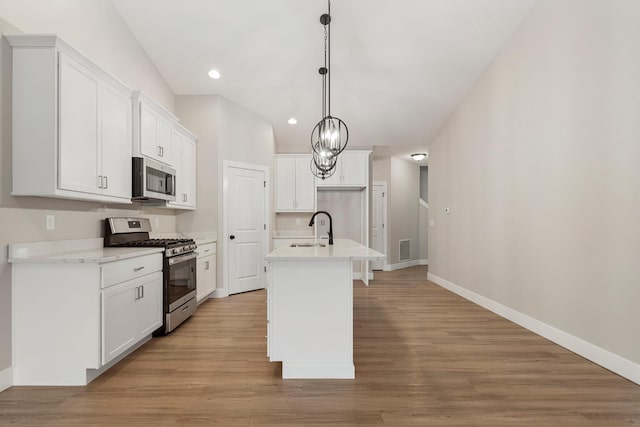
column 199, row 114
column 539, row 166
column 95, row 28
column 226, row 131
column 403, row 207
column 98, row 31
column 423, row 231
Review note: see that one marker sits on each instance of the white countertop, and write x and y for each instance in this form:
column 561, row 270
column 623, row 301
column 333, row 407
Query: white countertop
column 73, row 251
column 341, row 249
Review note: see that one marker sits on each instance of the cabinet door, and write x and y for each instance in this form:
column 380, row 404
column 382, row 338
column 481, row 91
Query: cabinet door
column 79, row 155
column 353, row 171
column 305, row 185
column 116, row 143
column 155, row 135
column 184, row 156
column 150, row 310
column 333, row 179
column 165, row 137
column 119, row 317
column 189, row 171
column 206, row 279
column 180, row 178
column 285, row 184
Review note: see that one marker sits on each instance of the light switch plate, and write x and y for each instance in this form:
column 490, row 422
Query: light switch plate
column 50, row 222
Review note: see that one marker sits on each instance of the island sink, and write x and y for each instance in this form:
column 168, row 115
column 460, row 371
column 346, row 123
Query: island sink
column 307, row 245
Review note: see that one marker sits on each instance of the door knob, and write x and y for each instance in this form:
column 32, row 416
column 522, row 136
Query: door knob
column 232, row 237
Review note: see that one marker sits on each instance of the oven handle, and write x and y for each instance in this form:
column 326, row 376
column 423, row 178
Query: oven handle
column 182, row 258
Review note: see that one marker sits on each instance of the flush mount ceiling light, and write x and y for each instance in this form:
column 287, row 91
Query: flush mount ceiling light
column 330, row 136
column 292, row 121
column 419, row 156
column 214, row 74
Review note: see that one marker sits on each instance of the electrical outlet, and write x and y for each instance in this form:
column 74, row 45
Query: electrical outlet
column 50, row 222
column 322, row 222
column 156, row 222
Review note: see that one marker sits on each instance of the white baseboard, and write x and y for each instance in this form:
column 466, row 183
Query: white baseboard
column 592, row 352
column 423, row 262
column 6, row 378
column 398, row 266
column 219, row 293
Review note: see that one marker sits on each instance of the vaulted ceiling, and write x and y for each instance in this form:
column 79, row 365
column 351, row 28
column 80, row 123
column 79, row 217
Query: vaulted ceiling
column 399, row 68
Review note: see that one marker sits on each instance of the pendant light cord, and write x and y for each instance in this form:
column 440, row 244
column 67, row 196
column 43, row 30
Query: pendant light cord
column 328, row 28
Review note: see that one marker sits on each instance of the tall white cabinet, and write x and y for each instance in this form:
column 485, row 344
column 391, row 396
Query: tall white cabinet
column 72, row 124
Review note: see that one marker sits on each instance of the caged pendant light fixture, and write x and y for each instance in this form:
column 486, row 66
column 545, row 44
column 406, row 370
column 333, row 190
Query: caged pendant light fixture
column 330, row 136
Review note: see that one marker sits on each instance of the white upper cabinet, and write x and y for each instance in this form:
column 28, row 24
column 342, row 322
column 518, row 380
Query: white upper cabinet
column 295, row 186
column 352, row 170
column 152, row 129
column 184, row 156
column 116, row 142
column 72, row 124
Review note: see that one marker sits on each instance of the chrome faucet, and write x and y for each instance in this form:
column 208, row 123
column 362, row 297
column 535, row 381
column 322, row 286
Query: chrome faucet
column 330, row 224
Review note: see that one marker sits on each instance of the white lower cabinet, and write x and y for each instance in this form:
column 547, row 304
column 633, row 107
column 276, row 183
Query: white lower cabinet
column 206, row 271
column 130, row 311
column 71, row 320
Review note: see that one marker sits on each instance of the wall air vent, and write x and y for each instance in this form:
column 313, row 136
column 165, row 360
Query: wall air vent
column 404, row 250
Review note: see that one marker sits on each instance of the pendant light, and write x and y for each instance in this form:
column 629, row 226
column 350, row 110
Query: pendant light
column 330, row 135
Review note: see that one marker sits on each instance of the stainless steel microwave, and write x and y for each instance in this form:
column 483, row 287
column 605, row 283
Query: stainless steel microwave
column 153, row 180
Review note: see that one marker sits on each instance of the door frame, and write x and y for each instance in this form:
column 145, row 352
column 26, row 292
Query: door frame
column 226, row 166
column 383, row 184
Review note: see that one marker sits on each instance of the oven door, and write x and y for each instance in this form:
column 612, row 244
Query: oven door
column 180, row 280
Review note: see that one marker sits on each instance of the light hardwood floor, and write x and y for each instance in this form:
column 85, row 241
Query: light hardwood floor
column 423, row 356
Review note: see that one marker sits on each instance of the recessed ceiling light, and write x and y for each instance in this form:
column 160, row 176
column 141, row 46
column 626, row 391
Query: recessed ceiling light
column 292, row 121
column 214, row 74
column 419, row 156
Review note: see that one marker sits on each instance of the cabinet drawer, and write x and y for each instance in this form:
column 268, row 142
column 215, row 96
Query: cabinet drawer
column 206, row 249
column 120, row 271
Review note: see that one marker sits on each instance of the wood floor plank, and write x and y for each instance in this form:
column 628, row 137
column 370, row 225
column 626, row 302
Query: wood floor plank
column 423, row 356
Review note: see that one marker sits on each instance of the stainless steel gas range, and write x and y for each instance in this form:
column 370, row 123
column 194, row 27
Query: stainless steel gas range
column 179, row 267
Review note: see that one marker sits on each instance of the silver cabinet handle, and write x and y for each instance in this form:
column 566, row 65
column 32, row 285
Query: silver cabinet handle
column 159, row 151
column 206, row 265
column 137, row 293
column 106, row 182
column 138, row 268
column 100, row 181
column 141, row 291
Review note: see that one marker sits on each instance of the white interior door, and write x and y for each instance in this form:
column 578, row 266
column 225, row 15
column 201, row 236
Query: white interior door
column 246, row 229
column 378, row 222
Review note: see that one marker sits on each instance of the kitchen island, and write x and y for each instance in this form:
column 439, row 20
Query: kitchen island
column 310, row 307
